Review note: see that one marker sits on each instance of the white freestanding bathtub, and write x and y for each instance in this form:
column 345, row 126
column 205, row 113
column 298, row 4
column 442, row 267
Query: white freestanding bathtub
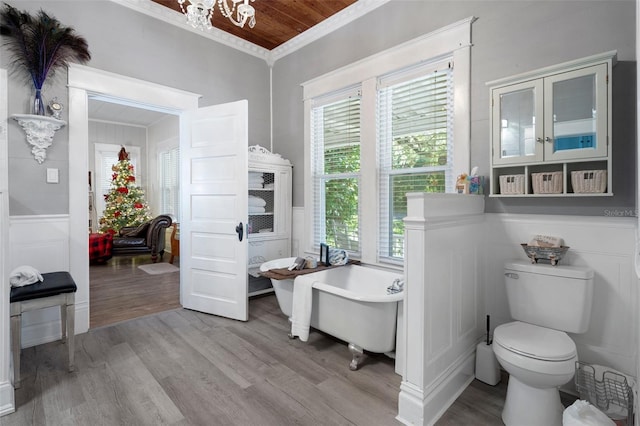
column 349, row 302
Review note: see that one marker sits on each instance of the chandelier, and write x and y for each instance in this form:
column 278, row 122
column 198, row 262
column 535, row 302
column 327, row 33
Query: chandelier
column 199, row 13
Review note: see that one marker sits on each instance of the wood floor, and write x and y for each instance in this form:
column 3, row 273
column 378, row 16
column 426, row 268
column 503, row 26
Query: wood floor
column 120, row 291
column 481, row 404
column 186, row 368
column 182, row 367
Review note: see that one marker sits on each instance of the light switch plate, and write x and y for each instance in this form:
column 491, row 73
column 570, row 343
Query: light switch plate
column 52, row 175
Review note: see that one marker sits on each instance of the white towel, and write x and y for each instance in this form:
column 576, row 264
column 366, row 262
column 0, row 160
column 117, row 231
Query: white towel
column 302, row 302
column 256, row 201
column 256, row 209
column 256, row 184
column 24, row 275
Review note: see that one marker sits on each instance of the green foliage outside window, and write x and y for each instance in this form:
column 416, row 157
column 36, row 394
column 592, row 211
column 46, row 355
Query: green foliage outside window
column 341, row 194
column 341, row 197
column 412, row 152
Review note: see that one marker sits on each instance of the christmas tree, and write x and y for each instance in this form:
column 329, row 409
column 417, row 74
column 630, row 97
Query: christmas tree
column 125, row 204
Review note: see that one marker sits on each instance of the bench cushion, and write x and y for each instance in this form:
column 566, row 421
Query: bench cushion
column 100, row 247
column 54, row 283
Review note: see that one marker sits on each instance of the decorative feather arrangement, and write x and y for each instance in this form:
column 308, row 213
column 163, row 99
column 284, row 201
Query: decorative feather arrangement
column 40, row 45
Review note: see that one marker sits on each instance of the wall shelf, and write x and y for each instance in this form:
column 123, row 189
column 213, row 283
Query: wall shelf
column 40, row 131
column 551, row 131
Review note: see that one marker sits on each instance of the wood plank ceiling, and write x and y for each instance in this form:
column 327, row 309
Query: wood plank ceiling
column 277, row 21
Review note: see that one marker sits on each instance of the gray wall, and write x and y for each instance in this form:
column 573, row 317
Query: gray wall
column 509, row 37
column 128, row 43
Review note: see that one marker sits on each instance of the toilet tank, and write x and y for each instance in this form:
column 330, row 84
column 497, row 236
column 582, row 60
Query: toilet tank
column 557, row 297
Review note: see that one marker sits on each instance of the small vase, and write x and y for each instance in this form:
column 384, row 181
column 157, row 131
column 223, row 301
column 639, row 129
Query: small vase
column 38, row 103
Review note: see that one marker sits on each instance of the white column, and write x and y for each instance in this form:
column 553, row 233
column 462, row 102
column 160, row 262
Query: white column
column 442, row 303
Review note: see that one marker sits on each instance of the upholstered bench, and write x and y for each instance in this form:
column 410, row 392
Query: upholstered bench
column 57, row 289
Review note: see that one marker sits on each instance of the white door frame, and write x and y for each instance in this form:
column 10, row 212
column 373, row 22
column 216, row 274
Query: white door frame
column 7, row 401
column 82, row 81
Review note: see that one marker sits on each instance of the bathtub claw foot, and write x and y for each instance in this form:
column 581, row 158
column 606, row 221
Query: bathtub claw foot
column 291, row 336
column 358, row 354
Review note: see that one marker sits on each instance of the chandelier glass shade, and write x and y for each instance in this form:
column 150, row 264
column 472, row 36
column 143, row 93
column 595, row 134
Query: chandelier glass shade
column 199, row 13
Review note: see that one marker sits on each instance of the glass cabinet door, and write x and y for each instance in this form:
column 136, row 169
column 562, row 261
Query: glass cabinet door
column 262, row 202
column 575, row 104
column 517, row 135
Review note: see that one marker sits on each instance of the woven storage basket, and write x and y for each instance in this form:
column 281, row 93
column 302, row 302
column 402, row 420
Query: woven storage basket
column 547, row 182
column 511, row 184
column 589, row 181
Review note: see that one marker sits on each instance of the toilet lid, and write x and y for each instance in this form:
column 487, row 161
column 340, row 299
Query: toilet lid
column 535, row 342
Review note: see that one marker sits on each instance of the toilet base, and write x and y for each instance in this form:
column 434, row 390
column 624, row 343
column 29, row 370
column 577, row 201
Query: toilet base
column 529, row 406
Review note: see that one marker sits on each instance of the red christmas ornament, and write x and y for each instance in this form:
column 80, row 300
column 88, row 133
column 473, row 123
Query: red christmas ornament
column 138, row 205
column 123, row 190
column 114, row 176
column 131, row 178
column 116, row 214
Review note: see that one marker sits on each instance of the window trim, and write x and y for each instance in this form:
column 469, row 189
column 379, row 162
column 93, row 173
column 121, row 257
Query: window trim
column 452, row 40
column 162, row 150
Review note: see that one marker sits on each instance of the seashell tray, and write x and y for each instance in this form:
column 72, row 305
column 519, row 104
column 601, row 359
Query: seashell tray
column 551, row 254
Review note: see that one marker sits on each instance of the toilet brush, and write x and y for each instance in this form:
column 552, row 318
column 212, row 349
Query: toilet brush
column 487, row 366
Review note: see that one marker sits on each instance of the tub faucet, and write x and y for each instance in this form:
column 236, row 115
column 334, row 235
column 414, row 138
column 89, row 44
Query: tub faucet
column 396, row 287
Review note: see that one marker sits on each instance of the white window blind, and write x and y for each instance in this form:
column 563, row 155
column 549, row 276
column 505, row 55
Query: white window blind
column 415, row 144
column 335, row 141
column 170, row 182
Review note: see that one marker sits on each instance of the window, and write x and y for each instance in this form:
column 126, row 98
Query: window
column 415, row 144
column 413, row 131
column 336, row 169
column 169, row 169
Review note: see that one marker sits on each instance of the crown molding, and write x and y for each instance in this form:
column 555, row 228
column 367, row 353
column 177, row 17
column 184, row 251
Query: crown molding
column 340, row 19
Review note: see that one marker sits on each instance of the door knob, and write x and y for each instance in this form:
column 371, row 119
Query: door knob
column 240, row 231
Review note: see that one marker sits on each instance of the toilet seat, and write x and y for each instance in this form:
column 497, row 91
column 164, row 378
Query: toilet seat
column 535, row 342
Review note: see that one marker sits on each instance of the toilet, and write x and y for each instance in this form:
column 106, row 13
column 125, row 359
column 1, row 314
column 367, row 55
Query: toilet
column 545, row 302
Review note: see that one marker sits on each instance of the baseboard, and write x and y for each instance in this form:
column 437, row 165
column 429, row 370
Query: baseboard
column 7, row 402
column 416, row 407
column 82, row 317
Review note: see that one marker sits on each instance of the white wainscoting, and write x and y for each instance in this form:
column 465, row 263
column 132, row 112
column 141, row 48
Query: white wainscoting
column 297, row 231
column 454, row 299
column 43, row 242
column 604, row 244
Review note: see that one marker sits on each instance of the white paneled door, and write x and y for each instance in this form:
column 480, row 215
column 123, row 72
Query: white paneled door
column 213, row 243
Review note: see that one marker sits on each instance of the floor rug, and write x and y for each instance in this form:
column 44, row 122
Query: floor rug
column 159, row 268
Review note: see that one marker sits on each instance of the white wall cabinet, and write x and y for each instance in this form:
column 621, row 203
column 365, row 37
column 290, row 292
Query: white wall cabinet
column 269, row 220
column 548, row 123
